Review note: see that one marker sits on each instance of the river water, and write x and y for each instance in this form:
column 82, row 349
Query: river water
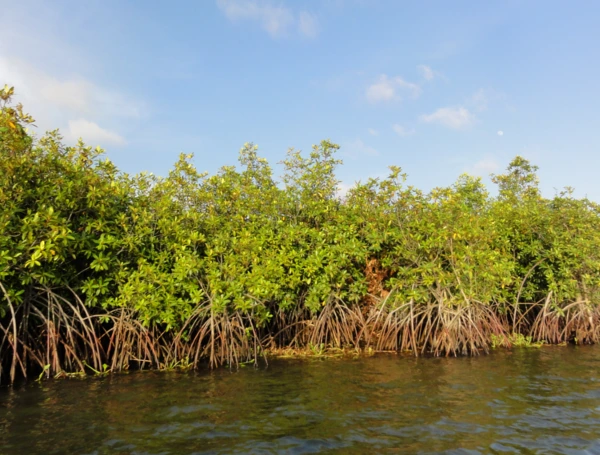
column 524, row 401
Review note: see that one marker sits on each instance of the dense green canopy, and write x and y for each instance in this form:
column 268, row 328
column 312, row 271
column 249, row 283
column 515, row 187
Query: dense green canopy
column 101, row 268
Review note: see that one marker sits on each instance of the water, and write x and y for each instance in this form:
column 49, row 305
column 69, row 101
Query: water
column 525, row 401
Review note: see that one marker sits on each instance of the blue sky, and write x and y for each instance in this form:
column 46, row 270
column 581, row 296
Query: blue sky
column 438, row 88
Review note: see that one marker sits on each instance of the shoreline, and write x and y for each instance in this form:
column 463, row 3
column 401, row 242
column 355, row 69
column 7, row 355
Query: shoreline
column 307, row 353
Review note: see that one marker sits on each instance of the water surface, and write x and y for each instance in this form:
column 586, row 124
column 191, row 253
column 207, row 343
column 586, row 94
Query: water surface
column 527, row 401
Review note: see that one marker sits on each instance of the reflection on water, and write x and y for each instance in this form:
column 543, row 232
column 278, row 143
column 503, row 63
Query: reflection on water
column 525, row 401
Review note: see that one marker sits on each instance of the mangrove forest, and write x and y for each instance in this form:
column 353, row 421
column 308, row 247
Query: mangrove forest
column 102, row 271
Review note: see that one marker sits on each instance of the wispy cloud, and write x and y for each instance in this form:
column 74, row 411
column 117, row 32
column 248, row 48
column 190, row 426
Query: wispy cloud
column 308, row 24
column 483, row 167
column 92, row 133
column 68, row 102
column 451, row 117
column 390, row 89
column 373, row 132
column 482, row 99
column 277, row 20
column 403, row 131
column 426, row 71
column 357, row 147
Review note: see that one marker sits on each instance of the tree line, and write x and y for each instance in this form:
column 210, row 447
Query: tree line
column 103, row 271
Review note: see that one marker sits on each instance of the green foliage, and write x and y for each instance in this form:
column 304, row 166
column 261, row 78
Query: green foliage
column 264, row 258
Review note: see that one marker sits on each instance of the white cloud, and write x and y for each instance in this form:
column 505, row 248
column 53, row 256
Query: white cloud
column 450, row 117
column 386, row 89
column 56, row 79
column 277, row 20
column 373, row 132
column 402, row 131
column 274, row 19
column 73, row 94
column 483, row 98
column 381, row 91
column 500, row 133
column 484, row 167
column 92, row 133
column 64, row 102
column 357, row 147
column 426, row 71
column 308, row 24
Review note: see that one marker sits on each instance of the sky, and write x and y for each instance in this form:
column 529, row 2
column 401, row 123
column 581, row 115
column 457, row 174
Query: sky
column 437, row 88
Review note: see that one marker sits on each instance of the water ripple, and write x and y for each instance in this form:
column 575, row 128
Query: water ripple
column 529, row 401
